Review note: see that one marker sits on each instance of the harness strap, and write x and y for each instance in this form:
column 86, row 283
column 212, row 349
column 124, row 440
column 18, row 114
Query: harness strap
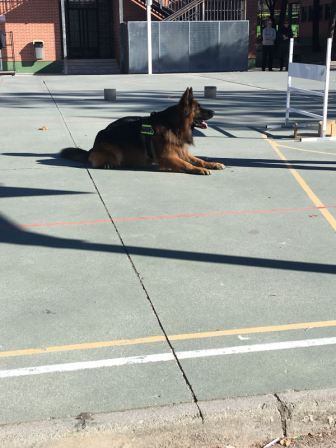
column 147, row 133
column 146, row 129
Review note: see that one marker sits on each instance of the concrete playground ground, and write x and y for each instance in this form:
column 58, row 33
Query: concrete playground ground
column 133, row 299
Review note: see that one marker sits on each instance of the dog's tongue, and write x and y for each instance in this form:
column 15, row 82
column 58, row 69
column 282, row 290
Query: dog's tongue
column 203, row 125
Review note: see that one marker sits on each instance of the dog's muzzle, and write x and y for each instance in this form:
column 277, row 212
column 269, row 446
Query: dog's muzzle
column 204, row 115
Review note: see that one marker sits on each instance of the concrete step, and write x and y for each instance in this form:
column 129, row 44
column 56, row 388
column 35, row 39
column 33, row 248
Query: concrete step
column 92, row 66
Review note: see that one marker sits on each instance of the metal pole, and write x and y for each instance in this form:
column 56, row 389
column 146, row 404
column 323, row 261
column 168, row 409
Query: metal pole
column 326, row 88
column 289, row 82
column 121, row 11
column 149, row 36
column 64, row 37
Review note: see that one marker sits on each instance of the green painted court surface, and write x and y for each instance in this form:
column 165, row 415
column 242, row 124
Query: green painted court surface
column 223, row 285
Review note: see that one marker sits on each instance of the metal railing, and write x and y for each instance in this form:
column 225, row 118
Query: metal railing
column 192, row 10
column 8, row 5
column 207, row 9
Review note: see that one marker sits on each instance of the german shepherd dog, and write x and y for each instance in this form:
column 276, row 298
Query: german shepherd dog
column 160, row 139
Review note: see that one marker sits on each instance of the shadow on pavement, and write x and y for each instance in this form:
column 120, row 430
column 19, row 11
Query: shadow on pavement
column 53, row 159
column 13, row 234
column 14, row 192
column 248, row 107
column 274, row 163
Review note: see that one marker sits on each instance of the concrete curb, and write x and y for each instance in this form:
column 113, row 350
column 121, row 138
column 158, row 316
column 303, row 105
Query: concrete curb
column 237, row 422
column 308, row 411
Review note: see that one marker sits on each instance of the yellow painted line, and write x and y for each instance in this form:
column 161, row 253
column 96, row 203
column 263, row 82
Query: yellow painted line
column 308, row 150
column 175, row 337
column 306, row 188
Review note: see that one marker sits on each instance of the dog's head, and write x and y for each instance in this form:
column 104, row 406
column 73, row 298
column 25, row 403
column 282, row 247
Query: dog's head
column 192, row 110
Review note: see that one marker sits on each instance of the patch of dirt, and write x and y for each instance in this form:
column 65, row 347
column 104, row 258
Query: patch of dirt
column 321, row 440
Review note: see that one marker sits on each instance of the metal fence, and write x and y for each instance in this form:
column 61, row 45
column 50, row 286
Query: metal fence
column 196, row 46
column 9, row 5
column 207, row 10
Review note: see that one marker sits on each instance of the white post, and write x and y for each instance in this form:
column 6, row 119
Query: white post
column 64, row 36
column 149, row 36
column 121, row 11
column 289, row 81
column 326, row 88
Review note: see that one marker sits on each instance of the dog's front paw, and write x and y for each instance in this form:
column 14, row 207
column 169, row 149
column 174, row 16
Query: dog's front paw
column 203, row 171
column 218, row 166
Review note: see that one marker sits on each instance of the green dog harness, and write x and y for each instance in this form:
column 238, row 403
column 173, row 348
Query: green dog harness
column 146, row 129
column 147, row 132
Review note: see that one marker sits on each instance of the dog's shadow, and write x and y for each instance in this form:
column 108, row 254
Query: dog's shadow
column 54, row 159
column 49, row 159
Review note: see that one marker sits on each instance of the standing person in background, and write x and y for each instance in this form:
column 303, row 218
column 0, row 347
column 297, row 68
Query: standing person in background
column 285, row 33
column 269, row 36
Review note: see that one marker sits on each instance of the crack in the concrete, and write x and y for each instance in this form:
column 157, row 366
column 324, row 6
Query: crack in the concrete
column 83, row 417
column 200, row 414
column 60, row 112
column 285, row 414
column 186, row 380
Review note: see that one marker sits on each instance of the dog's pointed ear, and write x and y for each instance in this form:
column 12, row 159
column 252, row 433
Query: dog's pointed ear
column 186, row 100
column 185, row 96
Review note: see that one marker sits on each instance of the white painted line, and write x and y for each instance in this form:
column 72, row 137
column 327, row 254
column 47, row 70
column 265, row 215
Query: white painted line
column 73, row 366
column 256, row 348
column 164, row 357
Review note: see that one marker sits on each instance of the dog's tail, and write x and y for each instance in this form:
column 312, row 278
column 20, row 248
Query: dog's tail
column 75, row 154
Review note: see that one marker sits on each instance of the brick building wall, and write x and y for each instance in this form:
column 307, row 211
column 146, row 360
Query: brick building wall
column 133, row 12
column 33, row 20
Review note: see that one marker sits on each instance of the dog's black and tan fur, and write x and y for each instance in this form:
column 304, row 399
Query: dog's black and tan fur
column 122, row 144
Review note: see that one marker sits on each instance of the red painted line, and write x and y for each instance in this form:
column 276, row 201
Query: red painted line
column 65, row 223
column 177, row 216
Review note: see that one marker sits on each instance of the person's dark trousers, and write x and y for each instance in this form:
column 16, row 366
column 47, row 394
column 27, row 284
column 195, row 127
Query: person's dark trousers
column 283, row 55
column 267, row 56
